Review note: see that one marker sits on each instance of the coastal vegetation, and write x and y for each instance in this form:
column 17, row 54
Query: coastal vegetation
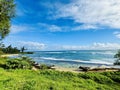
column 12, row 50
column 25, row 79
column 7, row 12
column 117, row 56
column 23, row 49
column 18, row 73
column 16, row 63
column 9, row 50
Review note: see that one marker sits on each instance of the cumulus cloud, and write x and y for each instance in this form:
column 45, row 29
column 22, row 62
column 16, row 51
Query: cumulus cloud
column 92, row 12
column 94, row 46
column 31, row 45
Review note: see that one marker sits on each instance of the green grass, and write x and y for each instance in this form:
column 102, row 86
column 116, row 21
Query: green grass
column 20, row 79
column 26, row 79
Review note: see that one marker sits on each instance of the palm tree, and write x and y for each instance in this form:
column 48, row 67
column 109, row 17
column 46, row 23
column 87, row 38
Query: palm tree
column 23, row 49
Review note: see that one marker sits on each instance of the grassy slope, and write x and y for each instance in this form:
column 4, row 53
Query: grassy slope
column 54, row 80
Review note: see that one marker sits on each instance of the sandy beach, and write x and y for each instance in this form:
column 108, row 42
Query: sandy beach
column 9, row 55
column 77, row 70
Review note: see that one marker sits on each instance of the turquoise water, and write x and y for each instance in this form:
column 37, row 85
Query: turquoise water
column 75, row 58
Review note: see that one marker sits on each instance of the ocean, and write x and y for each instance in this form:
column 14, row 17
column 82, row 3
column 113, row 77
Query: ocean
column 74, row 58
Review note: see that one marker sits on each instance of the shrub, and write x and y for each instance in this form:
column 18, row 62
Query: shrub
column 96, row 77
column 117, row 55
column 43, row 66
column 17, row 63
column 115, row 76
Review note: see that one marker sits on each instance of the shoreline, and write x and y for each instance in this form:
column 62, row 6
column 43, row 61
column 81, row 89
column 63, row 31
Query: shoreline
column 8, row 55
column 77, row 70
column 63, row 69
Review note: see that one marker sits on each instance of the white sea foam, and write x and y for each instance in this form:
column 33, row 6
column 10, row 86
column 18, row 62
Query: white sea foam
column 93, row 61
column 101, row 61
column 51, row 58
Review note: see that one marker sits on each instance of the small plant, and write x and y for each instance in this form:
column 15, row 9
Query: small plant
column 43, row 66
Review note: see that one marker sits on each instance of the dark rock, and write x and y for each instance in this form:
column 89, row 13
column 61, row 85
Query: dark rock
column 84, row 68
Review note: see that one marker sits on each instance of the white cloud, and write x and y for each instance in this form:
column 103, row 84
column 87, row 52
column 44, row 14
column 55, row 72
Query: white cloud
column 51, row 28
column 19, row 28
column 34, row 27
column 94, row 46
column 41, row 46
column 84, row 27
column 31, row 45
column 54, row 28
column 117, row 34
column 67, row 47
column 105, row 46
column 92, row 12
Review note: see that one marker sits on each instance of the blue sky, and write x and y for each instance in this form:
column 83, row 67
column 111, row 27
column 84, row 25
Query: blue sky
column 66, row 24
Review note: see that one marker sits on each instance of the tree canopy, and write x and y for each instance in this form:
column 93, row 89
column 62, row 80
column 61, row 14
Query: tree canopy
column 7, row 8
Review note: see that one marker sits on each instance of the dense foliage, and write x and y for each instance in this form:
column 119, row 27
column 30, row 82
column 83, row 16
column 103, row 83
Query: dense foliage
column 54, row 80
column 117, row 62
column 16, row 63
column 6, row 13
column 22, row 63
column 10, row 50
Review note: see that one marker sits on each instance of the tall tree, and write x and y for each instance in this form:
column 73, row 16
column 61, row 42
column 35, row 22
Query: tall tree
column 117, row 55
column 7, row 8
column 23, row 49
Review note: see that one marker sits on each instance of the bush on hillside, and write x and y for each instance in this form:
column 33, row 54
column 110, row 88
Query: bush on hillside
column 97, row 78
column 115, row 76
column 17, row 63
